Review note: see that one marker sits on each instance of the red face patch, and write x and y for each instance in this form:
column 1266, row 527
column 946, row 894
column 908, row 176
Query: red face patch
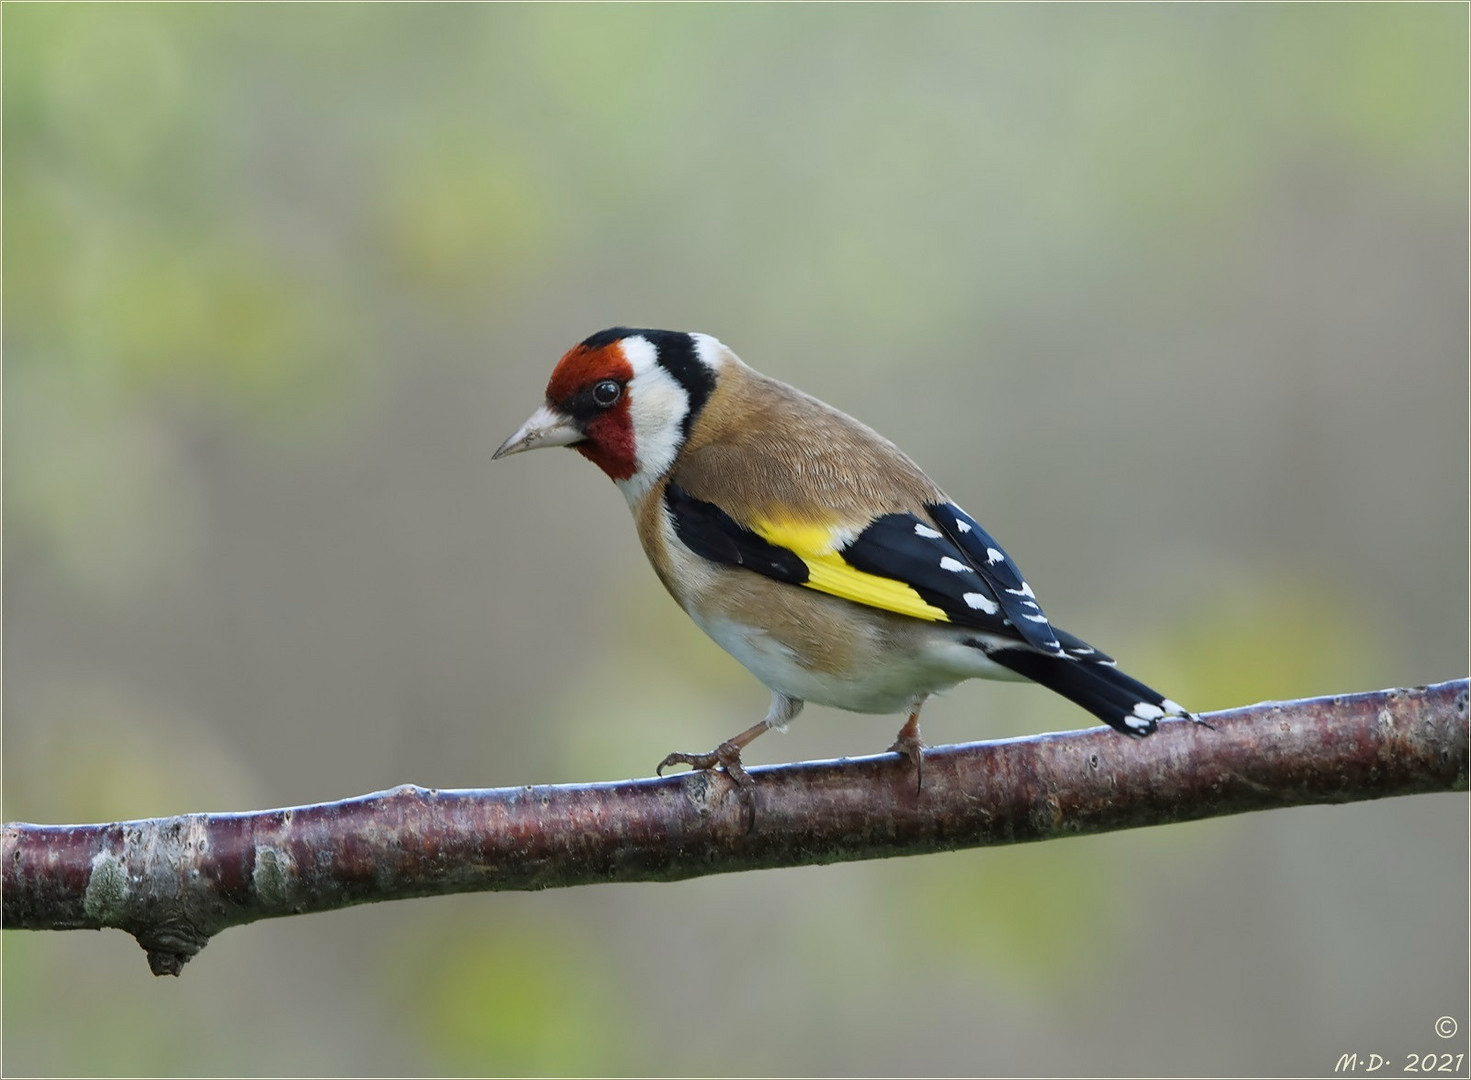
column 581, row 367
column 610, row 441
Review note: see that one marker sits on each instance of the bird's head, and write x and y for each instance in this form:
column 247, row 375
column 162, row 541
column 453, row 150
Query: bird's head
column 625, row 400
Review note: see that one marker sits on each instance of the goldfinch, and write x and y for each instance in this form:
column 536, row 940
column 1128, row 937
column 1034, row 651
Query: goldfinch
column 808, row 545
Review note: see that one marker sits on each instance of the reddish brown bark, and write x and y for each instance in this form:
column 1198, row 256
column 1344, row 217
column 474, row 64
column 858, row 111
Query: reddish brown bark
column 175, row 882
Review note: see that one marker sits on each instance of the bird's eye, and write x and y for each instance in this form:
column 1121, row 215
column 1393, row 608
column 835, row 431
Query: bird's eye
column 606, row 393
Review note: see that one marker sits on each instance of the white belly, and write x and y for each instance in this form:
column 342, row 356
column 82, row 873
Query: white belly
column 883, row 681
column 890, row 660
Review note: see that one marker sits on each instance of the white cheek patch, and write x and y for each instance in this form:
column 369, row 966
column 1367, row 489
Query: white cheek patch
column 640, row 354
column 657, row 406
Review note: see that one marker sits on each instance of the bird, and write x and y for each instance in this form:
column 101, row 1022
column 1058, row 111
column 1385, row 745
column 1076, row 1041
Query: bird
column 807, row 545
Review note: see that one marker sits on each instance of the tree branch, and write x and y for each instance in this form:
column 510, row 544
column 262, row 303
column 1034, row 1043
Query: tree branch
column 173, row 883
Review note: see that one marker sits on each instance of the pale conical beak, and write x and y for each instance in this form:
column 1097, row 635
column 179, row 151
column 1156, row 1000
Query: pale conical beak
column 547, row 427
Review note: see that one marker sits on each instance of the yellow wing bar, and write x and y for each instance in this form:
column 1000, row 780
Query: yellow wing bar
column 816, row 545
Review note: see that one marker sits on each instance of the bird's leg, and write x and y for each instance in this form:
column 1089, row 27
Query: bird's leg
column 728, row 754
column 910, row 744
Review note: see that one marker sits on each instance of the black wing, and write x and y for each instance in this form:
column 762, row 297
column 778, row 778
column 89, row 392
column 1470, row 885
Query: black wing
column 898, row 562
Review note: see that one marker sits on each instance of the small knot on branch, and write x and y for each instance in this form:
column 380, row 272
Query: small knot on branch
column 170, row 946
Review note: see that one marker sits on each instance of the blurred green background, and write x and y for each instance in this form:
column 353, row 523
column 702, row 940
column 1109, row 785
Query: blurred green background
column 1174, row 299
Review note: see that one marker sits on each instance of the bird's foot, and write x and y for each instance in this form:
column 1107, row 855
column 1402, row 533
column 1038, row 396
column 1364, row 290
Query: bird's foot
column 912, row 746
column 726, row 756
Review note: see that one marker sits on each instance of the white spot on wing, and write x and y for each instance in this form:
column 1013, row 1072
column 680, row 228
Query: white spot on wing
column 962, row 524
column 995, row 555
column 955, row 566
column 928, row 533
column 839, row 538
column 982, row 602
column 1025, row 590
column 1035, row 618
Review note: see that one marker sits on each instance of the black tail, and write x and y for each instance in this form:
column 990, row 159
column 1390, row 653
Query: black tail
column 1122, row 703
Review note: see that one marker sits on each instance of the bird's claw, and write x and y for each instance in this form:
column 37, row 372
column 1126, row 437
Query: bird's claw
column 912, row 747
column 726, row 756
